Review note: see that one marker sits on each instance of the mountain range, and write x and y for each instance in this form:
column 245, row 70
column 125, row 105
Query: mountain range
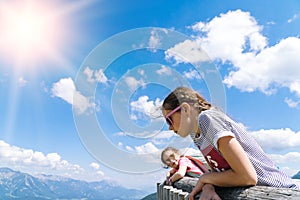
column 296, row 176
column 18, row 185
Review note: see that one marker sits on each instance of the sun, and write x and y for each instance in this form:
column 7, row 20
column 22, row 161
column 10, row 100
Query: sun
column 30, row 31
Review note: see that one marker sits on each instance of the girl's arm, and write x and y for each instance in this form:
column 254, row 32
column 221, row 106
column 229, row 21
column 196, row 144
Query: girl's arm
column 242, row 172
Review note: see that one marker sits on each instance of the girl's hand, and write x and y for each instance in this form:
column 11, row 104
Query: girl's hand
column 191, row 196
column 209, row 193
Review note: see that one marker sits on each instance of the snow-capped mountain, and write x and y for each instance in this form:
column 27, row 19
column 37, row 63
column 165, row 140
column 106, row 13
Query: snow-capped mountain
column 18, row 185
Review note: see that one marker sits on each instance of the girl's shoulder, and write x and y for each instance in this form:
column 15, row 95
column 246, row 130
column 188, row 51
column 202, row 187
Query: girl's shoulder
column 212, row 113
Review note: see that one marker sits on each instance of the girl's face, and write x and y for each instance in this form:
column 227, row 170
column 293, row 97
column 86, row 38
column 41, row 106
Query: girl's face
column 181, row 123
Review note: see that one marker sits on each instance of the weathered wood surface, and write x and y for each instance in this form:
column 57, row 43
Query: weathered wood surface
column 257, row 192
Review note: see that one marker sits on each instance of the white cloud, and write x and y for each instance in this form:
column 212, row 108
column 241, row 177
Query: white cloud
column 146, row 148
column 277, row 140
column 95, row 76
column 141, row 72
column 163, row 135
column 22, row 82
column 288, row 162
column 65, row 89
column 192, row 74
column 273, row 66
column 295, row 16
column 295, row 87
column 128, row 148
column 164, row 70
column 133, row 83
column 101, row 173
column 95, row 166
column 36, row 163
column 144, row 106
column 235, row 37
column 225, row 37
column 186, row 52
column 291, row 103
column 154, row 41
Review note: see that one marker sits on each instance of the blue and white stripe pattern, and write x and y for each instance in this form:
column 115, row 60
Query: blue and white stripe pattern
column 214, row 124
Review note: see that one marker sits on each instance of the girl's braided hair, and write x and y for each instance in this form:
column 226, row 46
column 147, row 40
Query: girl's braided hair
column 185, row 94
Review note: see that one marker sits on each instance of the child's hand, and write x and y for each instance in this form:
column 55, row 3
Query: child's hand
column 169, row 181
column 168, row 175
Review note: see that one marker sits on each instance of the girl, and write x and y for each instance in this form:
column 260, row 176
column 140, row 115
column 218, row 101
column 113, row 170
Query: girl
column 233, row 155
column 180, row 165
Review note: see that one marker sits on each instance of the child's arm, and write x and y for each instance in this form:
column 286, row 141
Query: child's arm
column 179, row 174
column 170, row 173
column 242, row 172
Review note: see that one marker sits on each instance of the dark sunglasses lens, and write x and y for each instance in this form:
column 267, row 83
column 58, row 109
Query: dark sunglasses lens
column 169, row 121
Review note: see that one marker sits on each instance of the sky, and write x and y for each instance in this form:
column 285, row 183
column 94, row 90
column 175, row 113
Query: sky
column 82, row 82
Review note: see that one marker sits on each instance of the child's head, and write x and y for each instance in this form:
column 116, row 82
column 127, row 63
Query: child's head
column 170, row 157
column 181, row 109
column 184, row 94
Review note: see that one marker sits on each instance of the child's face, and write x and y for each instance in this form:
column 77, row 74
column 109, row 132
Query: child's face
column 170, row 160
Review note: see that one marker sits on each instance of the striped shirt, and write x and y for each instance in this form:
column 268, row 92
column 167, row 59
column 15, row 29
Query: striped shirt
column 214, row 125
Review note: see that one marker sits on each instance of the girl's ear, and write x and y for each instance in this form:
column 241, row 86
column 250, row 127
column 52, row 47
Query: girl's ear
column 185, row 108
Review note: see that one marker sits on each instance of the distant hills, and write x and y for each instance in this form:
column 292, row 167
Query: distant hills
column 296, row 176
column 17, row 185
column 150, row 197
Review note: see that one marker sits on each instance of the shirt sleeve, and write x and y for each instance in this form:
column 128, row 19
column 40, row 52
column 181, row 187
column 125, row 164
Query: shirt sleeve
column 183, row 161
column 214, row 126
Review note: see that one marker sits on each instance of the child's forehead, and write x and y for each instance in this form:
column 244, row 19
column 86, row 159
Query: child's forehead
column 169, row 153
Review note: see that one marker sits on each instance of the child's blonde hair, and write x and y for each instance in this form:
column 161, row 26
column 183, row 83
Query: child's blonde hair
column 170, row 150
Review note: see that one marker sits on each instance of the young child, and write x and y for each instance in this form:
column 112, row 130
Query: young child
column 235, row 157
column 181, row 165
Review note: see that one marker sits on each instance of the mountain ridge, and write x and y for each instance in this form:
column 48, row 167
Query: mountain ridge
column 19, row 185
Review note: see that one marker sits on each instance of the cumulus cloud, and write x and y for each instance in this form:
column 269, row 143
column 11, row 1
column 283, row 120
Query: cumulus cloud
column 133, row 83
column 226, row 36
column 36, row 163
column 95, row 76
column 145, row 107
column 22, row 82
column 277, row 140
column 154, row 41
column 288, row 162
column 95, row 166
column 66, row 90
column 192, row 74
column 236, row 37
column 291, row 103
column 35, row 160
column 146, row 148
column 186, row 52
column 164, row 70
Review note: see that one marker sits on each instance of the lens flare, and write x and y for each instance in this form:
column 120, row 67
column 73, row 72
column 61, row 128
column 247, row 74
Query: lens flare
column 31, row 31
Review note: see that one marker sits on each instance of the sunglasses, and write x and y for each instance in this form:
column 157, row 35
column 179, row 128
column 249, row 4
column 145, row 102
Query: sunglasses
column 168, row 119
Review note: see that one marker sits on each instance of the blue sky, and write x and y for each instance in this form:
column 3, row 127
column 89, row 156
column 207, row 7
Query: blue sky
column 81, row 82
